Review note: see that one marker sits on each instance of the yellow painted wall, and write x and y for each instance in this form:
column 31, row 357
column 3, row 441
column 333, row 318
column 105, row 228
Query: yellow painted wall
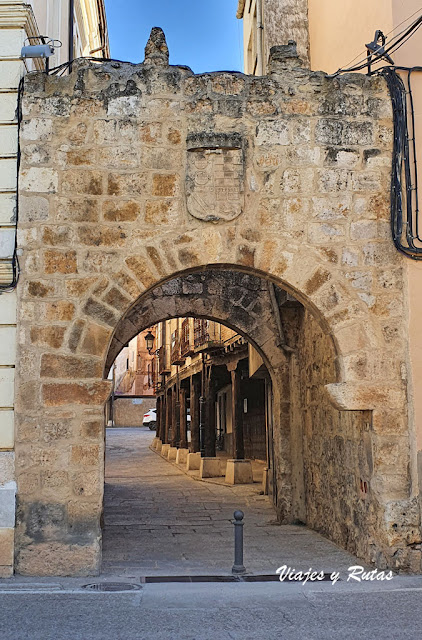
column 409, row 55
column 339, row 29
column 338, row 32
column 249, row 37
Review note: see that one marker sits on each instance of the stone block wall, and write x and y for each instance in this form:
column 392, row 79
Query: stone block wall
column 108, row 160
column 129, row 412
column 342, row 460
column 16, row 23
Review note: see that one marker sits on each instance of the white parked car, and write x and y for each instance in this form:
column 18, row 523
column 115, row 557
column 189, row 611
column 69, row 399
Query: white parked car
column 150, row 419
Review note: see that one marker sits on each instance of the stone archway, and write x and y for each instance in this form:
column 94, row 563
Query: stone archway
column 241, row 300
column 239, row 297
column 109, row 211
column 342, row 461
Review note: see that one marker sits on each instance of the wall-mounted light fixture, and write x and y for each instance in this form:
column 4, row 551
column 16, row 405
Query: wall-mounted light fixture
column 149, row 339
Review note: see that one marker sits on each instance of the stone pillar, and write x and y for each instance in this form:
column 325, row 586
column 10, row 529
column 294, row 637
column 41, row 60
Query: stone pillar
column 183, row 420
column 210, row 417
column 195, row 392
column 237, row 419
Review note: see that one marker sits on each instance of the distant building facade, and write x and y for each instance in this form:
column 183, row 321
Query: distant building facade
column 267, row 23
column 134, row 373
column 208, row 370
column 133, row 383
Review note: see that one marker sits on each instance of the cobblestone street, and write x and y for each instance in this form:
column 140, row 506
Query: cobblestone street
column 159, row 521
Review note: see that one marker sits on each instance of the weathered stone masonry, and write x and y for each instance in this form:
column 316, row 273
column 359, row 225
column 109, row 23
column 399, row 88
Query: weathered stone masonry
column 104, row 221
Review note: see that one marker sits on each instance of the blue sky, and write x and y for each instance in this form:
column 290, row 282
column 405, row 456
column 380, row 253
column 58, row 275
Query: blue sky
column 204, row 35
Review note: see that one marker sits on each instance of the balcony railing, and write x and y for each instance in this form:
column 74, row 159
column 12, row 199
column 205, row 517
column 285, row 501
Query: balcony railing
column 163, row 367
column 207, row 335
column 200, row 332
column 175, row 354
column 186, row 347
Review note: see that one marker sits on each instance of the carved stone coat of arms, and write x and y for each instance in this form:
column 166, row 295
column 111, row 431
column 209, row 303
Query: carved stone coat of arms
column 215, row 177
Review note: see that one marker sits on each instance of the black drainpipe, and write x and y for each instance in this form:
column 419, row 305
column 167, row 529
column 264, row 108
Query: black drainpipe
column 71, row 13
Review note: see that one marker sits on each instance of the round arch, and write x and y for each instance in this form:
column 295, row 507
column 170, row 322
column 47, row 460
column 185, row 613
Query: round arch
column 238, row 299
column 334, row 304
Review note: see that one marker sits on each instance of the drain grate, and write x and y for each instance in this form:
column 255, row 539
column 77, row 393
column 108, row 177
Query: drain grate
column 112, row 586
column 245, row 578
column 156, row 579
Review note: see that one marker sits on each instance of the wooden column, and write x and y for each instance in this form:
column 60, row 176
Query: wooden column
column 158, row 408
column 175, row 418
column 167, row 429
column 210, row 417
column 195, row 392
column 183, row 420
column 237, row 417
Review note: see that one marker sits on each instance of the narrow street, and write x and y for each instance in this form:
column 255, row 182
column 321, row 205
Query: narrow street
column 159, row 521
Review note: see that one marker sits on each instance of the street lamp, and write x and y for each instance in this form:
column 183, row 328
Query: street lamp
column 149, row 339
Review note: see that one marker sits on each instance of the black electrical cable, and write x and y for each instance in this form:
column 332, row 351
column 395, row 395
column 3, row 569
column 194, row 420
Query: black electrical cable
column 388, row 50
column 68, row 65
column 65, row 65
column 415, row 160
column 15, row 259
column 401, row 228
column 362, row 53
column 404, row 225
column 396, row 48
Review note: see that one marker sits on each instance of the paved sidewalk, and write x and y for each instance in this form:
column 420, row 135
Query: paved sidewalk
column 376, row 611
column 159, row 521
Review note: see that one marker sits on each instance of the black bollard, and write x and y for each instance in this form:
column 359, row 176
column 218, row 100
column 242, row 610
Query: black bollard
column 238, row 566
